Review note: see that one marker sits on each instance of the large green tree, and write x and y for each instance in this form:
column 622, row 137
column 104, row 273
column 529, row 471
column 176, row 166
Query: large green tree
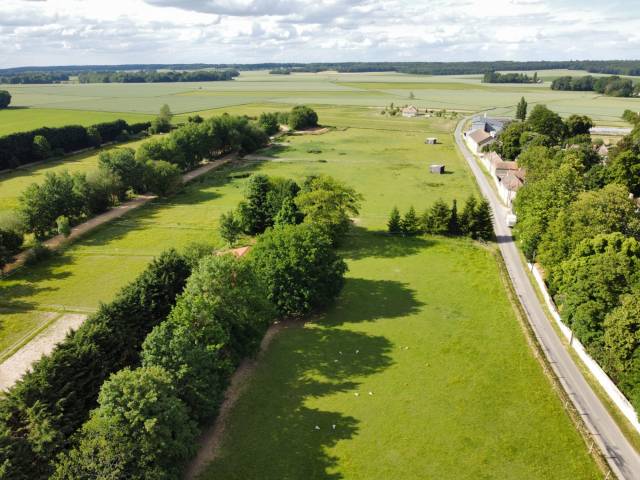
column 140, row 431
column 5, row 99
column 521, row 110
column 299, row 266
column 546, row 122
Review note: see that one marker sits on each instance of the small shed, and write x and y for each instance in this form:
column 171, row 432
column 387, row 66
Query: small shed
column 439, row 169
column 431, row 140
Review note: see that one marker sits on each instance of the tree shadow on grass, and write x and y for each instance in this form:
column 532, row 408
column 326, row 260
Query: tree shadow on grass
column 362, row 243
column 24, row 283
column 296, row 407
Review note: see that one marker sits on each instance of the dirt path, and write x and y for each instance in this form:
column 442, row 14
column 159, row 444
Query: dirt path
column 17, row 364
column 116, row 212
column 211, row 438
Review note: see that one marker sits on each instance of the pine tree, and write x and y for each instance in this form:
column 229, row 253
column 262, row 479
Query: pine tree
column 454, row 225
column 438, row 218
column 521, row 110
column 467, row 219
column 535, row 77
column 484, row 226
column 394, row 225
column 411, row 223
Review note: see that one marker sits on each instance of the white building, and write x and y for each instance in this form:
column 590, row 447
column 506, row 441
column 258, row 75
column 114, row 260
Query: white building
column 409, row 111
column 477, row 139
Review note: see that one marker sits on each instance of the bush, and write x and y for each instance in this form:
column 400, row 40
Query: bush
column 269, row 123
column 162, row 123
column 10, row 243
column 41, row 147
column 140, row 430
column 63, row 226
column 162, row 178
column 102, row 189
column 95, row 139
column 5, row 99
column 299, row 268
column 49, row 403
column 302, row 117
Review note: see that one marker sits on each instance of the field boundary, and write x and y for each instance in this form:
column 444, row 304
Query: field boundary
column 537, row 349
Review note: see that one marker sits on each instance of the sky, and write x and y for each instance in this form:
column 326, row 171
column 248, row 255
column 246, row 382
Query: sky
column 68, row 32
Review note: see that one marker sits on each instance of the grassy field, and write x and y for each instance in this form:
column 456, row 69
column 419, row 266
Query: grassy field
column 407, row 376
column 464, row 399
column 40, row 105
column 21, row 119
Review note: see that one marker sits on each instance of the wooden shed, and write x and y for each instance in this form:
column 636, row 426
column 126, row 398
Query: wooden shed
column 439, row 169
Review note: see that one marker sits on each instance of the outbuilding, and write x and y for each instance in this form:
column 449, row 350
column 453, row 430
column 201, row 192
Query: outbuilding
column 431, row 141
column 439, row 169
column 410, row 111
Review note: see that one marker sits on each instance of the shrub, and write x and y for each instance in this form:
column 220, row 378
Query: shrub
column 269, row 123
column 162, row 178
column 394, row 225
column 95, row 139
column 5, row 99
column 10, row 243
column 102, row 189
column 41, row 148
column 63, row 226
column 122, row 163
column 230, row 227
column 302, row 117
column 299, row 268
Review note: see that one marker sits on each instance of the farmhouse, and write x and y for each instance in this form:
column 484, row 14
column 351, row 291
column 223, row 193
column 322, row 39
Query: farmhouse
column 409, row 111
column 509, row 183
column 493, row 125
column 477, row 139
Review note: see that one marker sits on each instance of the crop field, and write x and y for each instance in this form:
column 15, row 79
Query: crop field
column 39, row 105
column 423, row 324
column 419, row 371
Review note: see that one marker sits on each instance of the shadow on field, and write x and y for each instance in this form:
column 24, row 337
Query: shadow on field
column 284, row 426
column 363, row 243
column 24, row 283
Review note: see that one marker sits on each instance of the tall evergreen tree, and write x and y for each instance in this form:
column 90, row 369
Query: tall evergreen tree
column 394, row 225
column 411, row 223
column 454, row 224
column 484, row 227
column 521, row 110
column 468, row 217
column 437, row 219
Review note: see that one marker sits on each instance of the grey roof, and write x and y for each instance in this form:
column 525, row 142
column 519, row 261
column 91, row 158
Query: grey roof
column 489, row 124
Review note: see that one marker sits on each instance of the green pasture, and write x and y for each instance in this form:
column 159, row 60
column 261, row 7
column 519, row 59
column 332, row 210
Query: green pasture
column 48, row 105
column 22, row 119
column 456, row 392
column 420, row 370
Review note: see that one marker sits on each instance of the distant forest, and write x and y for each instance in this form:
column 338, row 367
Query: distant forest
column 62, row 73
column 613, row 86
column 493, row 77
column 158, row 77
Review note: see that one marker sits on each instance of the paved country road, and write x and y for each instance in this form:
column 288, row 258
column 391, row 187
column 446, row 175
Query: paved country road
column 622, row 457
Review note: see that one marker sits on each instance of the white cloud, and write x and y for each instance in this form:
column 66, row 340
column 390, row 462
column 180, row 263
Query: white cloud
column 244, row 31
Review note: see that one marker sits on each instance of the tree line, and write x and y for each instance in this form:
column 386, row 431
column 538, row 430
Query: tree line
column 495, row 77
column 577, row 219
column 22, row 148
column 613, row 86
column 34, row 78
column 543, row 127
column 474, row 221
column 127, row 394
column 145, row 76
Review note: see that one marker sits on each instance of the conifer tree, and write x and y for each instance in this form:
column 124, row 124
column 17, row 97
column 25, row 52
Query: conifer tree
column 394, row 225
column 484, row 227
column 438, row 217
column 454, row 224
column 411, row 223
column 467, row 220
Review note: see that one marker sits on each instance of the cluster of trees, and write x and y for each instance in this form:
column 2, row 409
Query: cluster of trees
column 494, row 77
column 43, row 143
column 147, row 419
column 155, row 167
column 613, row 86
column 5, row 99
column 44, row 409
column 300, row 117
column 543, row 127
column 474, row 221
column 149, row 76
column 272, row 201
column 280, row 71
column 33, row 78
column 577, row 219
